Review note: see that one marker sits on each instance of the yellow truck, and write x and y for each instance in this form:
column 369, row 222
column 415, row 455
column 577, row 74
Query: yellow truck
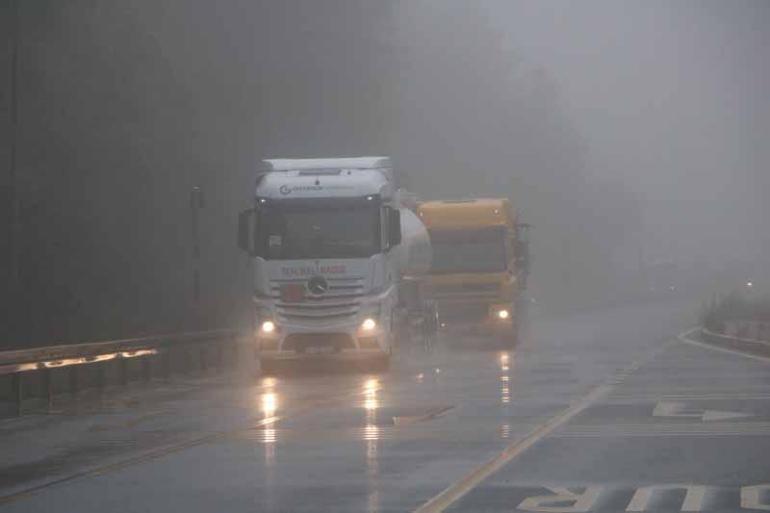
column 480, row 265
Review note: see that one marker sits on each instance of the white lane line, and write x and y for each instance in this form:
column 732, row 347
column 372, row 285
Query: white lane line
column 751, row 428
column 693, row 500
column 673, row 434
column 450, row 495
column 684, row 337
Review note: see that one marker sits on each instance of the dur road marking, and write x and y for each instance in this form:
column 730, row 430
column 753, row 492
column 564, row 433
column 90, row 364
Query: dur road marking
column 693, row 499
column 574, row 498
column 677, row 409
column 452, row 494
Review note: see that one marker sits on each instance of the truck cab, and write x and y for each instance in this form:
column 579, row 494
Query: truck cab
column 480, row 263
column 323, row 235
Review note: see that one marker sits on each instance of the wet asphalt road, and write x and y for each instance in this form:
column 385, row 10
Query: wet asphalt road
column 598, row 411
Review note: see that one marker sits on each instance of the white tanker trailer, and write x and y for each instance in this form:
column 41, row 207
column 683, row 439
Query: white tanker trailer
column 336, row 258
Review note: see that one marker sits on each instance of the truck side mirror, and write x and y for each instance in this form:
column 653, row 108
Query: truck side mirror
column 246, row 220
column 394, row 227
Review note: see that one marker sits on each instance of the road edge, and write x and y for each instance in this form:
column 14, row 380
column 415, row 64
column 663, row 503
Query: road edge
column 457, row 490
column 730, row 342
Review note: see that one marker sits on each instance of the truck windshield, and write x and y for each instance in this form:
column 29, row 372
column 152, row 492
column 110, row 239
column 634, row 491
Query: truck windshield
column 471, row 251
column 305, row 230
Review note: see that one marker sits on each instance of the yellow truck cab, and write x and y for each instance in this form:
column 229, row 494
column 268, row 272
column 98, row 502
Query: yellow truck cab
column 480, row 263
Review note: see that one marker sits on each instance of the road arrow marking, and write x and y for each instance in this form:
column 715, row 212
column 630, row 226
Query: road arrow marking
column 723, row 415
column 675, row 409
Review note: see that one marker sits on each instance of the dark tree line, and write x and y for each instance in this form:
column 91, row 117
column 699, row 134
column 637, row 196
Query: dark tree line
column 126, row 106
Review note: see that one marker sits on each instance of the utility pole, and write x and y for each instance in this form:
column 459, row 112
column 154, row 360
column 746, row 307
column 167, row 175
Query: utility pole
column 15, row 221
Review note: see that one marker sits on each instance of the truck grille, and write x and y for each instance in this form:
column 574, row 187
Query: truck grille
column 342, row 300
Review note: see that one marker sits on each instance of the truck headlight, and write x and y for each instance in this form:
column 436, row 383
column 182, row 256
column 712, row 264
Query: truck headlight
column 503, row 314
column 267, row 327
column 369, row 324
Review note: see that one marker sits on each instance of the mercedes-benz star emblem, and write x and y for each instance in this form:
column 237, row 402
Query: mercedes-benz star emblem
column 317, row 285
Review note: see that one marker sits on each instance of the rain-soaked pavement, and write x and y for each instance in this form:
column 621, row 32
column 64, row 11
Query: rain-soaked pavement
column 598, row 411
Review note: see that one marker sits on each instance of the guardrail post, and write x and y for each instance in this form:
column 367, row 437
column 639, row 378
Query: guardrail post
column 17, row 391
column 122, row 371
column 73, row 375
column 48, row 388
column 146, row 370
column 166, row 364
column 100, row 377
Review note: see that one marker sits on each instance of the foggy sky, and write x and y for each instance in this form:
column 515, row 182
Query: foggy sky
column 671, row 98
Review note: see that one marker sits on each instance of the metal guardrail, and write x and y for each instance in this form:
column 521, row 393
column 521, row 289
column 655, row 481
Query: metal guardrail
column 722, row 336
column 43, row 372
column 745, row 345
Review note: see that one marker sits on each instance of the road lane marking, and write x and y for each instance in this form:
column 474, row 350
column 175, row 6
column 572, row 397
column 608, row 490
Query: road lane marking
column 458, row 489
column 644, row 398
column 665, row 430
column 678, row 409
column 693, row 499
column 578, row 502
column 577, row 497
column 684, row 337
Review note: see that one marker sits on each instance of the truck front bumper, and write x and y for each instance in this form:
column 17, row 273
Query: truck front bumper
column 343, row 356
column 343, row 341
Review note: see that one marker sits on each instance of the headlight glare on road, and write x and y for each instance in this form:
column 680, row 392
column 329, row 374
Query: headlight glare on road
column 268, row 327
column 369, row 324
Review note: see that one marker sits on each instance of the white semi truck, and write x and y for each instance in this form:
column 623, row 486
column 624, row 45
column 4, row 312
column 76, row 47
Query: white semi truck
column 334, row 252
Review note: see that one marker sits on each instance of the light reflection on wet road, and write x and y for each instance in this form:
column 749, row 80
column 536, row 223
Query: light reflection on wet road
column 331, row 441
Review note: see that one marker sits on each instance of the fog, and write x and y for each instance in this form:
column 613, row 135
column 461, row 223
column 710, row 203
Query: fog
column 670, row 98
column 628, row 133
